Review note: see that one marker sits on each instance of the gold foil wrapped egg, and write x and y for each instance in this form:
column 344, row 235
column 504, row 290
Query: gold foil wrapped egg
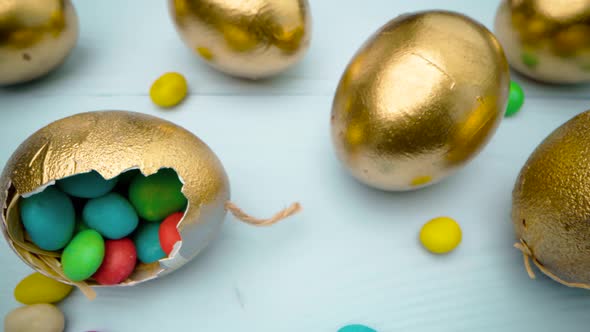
column 250, row 39
column 419, row 100
column 35, row 37
column 551, row 205
column 110, row 143
column 547, row 40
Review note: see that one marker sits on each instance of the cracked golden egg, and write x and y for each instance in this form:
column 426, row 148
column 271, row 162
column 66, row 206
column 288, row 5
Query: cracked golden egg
column 36, row 36
column 419, row 100
column 546, row 40
column 551, row 205
column 111, row 143
column 250, row 39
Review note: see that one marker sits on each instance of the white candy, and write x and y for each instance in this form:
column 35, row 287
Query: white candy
column 35, row 318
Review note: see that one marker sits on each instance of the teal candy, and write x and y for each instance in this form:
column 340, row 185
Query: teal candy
column 49, row 218
column 83, row 255
column 111, row 215
column 86, row 185
column 356, row 328
column 147, row 243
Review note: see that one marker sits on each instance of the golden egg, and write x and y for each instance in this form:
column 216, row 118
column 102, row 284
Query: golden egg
column 551, row 205
column 250, row 39
column 546, row 40
column 110, row 143
column 420, row 99
column 35, row 37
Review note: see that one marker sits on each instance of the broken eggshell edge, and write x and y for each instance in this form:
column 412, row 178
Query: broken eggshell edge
column 110, row 143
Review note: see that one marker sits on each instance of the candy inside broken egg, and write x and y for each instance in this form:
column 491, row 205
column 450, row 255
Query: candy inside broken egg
column 113, row 144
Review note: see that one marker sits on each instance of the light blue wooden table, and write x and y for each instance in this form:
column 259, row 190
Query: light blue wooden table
column 352, row 256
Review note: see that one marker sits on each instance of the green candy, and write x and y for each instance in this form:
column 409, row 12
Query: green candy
column 83, row 255
column 530, row 60
column 86, row 185
column 157, row 196
column 515, row 99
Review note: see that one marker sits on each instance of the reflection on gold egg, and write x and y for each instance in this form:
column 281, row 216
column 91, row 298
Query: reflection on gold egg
column 35, row 37
column 251, row 39
column 419, row 100
column 112, row 142
column 546, row 40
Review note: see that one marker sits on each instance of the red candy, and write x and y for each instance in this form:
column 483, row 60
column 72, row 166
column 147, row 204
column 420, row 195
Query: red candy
column 118, row 263
column 169, row 233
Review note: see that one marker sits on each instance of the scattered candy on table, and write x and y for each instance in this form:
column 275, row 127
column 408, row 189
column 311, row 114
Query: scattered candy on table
column 356, row 328
column 168, row 232
column 48, row 218
column 86, row 185
column 147, row 243
column 35, row 318
column 118, row 263
column 83, row 255
column 440, row 235
column 111, row 215
column 169, row 90
column 38, row 288
column 157, row 196
column 515, row 99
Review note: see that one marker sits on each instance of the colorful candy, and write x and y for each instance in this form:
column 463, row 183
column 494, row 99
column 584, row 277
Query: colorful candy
column 515, row 99
column 38, row 288
column 118, row 263
column 147, row 243
column 440, row 235
column 111, row 215
column 94, row 227
column 83, row 255
column 49, row 218
column 37, row 317
column 158, row 195
column 169, row 90
column 168, row 232
column 87, row 185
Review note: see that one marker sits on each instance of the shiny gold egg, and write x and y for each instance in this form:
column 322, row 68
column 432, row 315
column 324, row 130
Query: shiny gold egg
column 35, row 37
column 546, row 40
column 112, row 142
column 551, row 204
column 250, row 39
column 419, row 100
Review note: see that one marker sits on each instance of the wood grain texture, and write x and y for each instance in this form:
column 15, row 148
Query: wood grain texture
column 352, row 255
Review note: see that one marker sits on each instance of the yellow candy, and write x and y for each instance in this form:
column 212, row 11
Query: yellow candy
column 169, row 90
column 440, row 235
column 37, row 288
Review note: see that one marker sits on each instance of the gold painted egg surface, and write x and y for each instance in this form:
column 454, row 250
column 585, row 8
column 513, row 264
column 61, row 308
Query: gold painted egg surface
column 551, row 202
column 111, row 142
column 547, row 40
column 420, row 98
column 251, row 39
column 35, row 37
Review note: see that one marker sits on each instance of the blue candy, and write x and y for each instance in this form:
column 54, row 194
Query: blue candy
column 147, row 243
column 49, row 218
column 87, row 185
column 111, row 215
column 356, row 328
